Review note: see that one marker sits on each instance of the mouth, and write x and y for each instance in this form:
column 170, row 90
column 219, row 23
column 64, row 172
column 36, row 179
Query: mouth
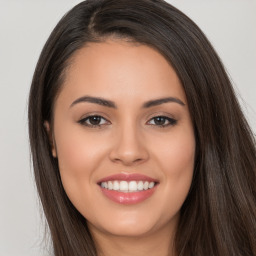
column 126, row 188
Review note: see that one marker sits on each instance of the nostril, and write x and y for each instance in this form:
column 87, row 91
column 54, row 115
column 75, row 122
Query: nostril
column 128, row 156
column 128, row 161
column 128, row 150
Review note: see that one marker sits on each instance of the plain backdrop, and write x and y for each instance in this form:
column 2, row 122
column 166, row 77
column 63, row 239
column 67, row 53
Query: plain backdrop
column 24, row 27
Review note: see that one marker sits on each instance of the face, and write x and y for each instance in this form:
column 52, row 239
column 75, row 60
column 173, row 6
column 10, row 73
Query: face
column 124, row 139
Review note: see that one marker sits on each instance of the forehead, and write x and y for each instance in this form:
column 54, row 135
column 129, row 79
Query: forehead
column 118, row 69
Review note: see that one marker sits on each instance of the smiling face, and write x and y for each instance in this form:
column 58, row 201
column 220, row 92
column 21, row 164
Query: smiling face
column 121, row 122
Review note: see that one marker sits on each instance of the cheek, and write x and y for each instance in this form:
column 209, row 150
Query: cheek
column 78, row 156
column 175, row 156
column 179, row 162
column 78, row 151
column 175, row 152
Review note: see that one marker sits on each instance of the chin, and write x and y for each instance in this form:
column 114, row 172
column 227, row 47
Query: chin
column 124, row 230
column 132, row 225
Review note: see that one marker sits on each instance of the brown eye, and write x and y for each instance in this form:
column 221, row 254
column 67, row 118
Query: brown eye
column 159, row 120
column 93, row 121
column 162, row 121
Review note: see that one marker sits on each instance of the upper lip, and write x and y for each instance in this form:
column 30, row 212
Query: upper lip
column 127, row 177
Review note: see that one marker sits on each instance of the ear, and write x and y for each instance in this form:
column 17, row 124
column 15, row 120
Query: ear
column 51, row 138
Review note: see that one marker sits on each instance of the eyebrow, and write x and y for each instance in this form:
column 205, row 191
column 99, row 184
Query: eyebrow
column 157, row 102
column 111, row 104
column 96, row 100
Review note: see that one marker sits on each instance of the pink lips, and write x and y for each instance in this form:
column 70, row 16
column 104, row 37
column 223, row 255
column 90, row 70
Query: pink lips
column 128, row 197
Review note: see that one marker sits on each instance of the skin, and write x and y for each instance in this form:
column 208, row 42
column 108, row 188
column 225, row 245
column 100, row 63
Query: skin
column 128, row 140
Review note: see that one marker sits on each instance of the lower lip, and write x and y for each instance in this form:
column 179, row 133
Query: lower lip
column 128, row 197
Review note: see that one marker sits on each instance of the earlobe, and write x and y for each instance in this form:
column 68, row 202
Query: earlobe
column 51, row 138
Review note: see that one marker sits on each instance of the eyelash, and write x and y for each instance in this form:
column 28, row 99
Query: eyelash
column 171, row 121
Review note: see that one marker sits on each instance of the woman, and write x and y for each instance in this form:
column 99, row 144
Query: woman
column 139, row 144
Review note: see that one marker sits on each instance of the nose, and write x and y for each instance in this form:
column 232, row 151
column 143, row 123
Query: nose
column 128, row 148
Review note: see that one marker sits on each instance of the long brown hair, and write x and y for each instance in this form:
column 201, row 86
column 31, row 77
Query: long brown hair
column 219, row 215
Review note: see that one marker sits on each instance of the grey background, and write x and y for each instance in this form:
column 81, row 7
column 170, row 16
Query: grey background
column 24, row 28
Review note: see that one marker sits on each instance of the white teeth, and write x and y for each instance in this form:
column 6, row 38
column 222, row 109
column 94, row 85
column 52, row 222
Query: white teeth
column 132, row 186
column 104, row 184
column 110, row 185
column 145, row 186
column 151, row 185
column 116, row 185
column 124, row 186
column 140, row 185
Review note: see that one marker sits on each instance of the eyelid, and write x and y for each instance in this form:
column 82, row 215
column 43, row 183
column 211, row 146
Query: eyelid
column 172, row 120
column 161, row 113
column 95, row 113
column 83, row 120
